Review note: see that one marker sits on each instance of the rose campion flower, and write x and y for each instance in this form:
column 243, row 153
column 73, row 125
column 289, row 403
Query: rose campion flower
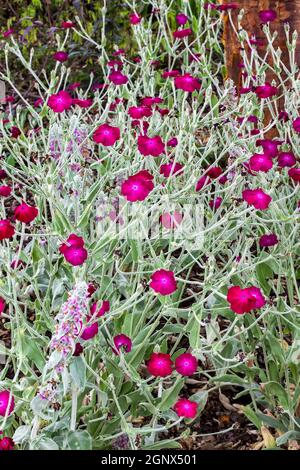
column 257, row 198
column 5, row 191
column 139, row 112
column 15, row 132
column 122, row 342
column 106, row 135
column 61, row 56
column 186, row 364
column 163, row 282
column 215, row 203
column 203, row 181
column 150, row 145
column 294, row 173
column 6, row 443
column 172, row 142
column 227, row 6
column 90, row 331
column 171, row 73
column 186, row 408
column 105, row 307
column 182, row 33
column 283, row 116
column 171, row 169
column 60, row 102
column 285, row 159
column 7, row 403
column 6, row 229
column 38, row 102
column 8, row 33
column 269, row 146
column 160, row 365
column 260, row 162
column 266, row 16
column 266, row 91
column 73, row 250
column 78, row 350
column 181, row 19
column 296, row 124
column 68, row 24
column 244, row 300
column 171, row 221
column 137, row 187
column 187, row 83
column 134, row 18
column 3, row 174
column 117, row 78
column 150, row 101
column 268, row 240
column 214, row 172
column 87, row 103
column 25, row 213
column 2, row 305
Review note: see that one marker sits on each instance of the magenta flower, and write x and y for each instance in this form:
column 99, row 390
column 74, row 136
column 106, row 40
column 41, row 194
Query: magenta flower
column 7, row 403
column 186, row 408
column 296, row 124
column 8, row 33
column 172, row 142
column 286, row 159
column 187, row 83
column 160, row 365
column 283, row 116
column 134, row 18
column 171, row 169
column 268, row 240
column 215, row 203
column 150, row 101
column 182, row 33
column 68, row 24
column 266, row 91
column 227, row 6
column 257, row 198
column 294, row 173
column 266, row 16
column 73, row 250
column 170, row 73
column 203, row 181
column 181, row 19
column 60, row 102
column 90, row 331
column 214, row 172
column 186, row 364
column 270, row 146
column 150, row 145
column 6, row 229
column 106, row 135
column 244, row 300
column 122, row 342
column 105, row 307
column 61, row 56
column 25, row 213
column 117, row 77
column 5, row 191
column 260, row 162
column 87, row 103
column 2, row 305
column 15, row 132
column 163, row 282
column 139, row 112
column 6, row 443
column 137, row 187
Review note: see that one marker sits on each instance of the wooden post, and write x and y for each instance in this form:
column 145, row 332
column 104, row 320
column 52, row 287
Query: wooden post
column 287, row 11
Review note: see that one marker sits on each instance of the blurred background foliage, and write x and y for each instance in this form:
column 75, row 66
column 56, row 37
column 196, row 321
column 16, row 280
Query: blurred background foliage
column 36, row 23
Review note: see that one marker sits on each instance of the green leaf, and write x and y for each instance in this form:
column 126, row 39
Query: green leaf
column 277, row 390
column 170, row 396
column 79, row 440
column 78, row 372
column 252, row 416
column 295, row 435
